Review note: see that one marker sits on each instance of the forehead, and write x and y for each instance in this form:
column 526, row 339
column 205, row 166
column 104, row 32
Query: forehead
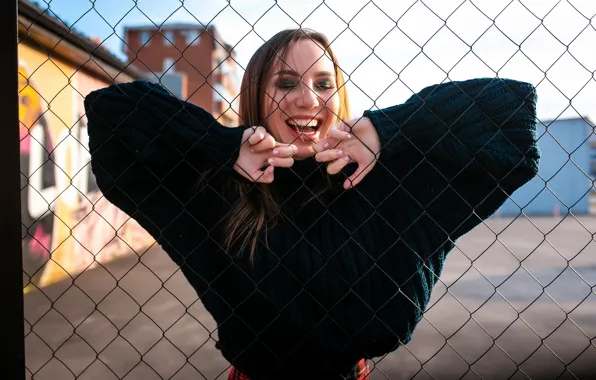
column 305, row 56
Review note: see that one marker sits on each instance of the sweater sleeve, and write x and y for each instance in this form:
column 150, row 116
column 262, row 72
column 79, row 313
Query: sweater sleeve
column 149, row 152
column 460, row 149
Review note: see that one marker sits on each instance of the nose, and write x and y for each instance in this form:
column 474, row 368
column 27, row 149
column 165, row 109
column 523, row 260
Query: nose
column 308, row 98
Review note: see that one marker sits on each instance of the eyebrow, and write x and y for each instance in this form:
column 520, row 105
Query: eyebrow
column 295, row 74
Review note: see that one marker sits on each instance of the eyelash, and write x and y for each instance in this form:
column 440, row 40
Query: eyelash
column 288, row 84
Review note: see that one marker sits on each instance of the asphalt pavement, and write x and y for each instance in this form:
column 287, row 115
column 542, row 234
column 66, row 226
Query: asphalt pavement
column 516, row 300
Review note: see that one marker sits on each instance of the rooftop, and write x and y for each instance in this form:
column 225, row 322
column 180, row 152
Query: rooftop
column 574, row 119
column 181, row 26
column 167, row 26
column 32, row 16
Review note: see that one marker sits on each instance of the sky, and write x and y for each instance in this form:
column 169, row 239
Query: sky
column 390, row 49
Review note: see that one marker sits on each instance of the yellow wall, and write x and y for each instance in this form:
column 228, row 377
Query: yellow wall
column 68, row 226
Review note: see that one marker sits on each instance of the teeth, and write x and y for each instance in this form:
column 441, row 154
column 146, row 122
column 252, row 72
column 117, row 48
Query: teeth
column 303, row 123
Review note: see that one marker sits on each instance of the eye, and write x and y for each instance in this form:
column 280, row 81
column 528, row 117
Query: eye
column 325, row 84
column 287, row 84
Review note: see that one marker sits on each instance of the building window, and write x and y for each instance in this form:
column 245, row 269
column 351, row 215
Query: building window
column 168, row 36
column 226, row 68
column 192, row 37
column 145, row 37
column 217, row 65
column 221, row 94
column 168, row 65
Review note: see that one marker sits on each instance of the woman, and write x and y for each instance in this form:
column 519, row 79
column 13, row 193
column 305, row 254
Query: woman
column 314, row 243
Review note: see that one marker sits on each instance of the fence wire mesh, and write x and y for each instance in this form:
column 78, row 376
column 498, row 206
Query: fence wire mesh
column 516, row 298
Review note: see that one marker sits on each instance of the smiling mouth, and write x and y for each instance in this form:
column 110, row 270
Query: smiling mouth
column 304, row 128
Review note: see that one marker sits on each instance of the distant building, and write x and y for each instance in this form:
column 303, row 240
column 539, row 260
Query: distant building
column 565, row 180
column 191, row 61
column 63, row 214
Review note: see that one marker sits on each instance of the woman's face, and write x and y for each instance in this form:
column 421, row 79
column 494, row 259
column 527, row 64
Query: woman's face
column 301, row 101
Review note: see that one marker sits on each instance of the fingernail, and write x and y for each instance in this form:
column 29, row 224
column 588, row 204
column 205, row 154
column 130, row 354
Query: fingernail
column 275, row 151
column 349, row 136
column 339, row 152
column 270, row 160
column 346, row 158
column 325, row 145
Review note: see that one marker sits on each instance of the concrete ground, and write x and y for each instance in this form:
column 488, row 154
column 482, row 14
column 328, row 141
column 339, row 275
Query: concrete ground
column 520, row 306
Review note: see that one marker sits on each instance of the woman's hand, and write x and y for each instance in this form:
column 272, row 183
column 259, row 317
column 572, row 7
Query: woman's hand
column 260, row 153
column 356, row 141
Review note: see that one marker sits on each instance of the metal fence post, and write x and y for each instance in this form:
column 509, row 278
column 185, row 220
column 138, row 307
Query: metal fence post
column 12, row 317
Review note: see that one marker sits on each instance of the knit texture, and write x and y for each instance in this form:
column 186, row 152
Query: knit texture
column 343, row 274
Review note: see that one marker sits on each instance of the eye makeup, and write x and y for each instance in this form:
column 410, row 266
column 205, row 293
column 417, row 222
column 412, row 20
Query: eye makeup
column 320, row 84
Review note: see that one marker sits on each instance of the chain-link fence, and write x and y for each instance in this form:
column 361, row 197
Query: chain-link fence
column 515, row 297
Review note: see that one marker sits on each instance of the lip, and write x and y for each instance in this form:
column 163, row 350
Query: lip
column 316, row 118
column 306, row 138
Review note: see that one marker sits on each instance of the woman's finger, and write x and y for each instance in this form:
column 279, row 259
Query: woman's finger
column 267, row 142
column 337, row 165
column 339, row 133
column 283, row 150
column 282, row 162
column 358, row 175
column 264, row 176
column 329, row 155
column 328, row 143
column 240, row 170
column 258, row 135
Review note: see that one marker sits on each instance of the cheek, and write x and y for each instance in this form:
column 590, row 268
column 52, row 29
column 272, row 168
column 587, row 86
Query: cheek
column 277, row 102
column 274, row 120
column 280, row 109
column 283, row 102
column 333, row 108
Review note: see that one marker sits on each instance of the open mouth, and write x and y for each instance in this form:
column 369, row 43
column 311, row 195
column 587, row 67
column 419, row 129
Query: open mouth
column 304, row 128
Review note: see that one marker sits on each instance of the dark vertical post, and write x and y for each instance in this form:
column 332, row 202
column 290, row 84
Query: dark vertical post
column 12, row 346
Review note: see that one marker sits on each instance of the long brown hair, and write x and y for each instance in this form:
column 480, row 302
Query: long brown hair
column 257, row 209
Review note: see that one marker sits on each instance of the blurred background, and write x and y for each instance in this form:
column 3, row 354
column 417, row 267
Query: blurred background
column 517, row 297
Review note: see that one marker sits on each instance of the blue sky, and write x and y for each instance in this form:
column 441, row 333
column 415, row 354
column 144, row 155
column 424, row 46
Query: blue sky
column 388, row 49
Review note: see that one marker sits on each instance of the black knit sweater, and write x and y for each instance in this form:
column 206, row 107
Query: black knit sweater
column 345, row 274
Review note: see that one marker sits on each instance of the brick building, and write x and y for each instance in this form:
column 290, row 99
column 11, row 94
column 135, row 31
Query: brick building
column 190, row 60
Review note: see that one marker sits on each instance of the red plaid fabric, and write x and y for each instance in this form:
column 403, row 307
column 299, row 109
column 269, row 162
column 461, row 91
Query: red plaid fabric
column 361, row 371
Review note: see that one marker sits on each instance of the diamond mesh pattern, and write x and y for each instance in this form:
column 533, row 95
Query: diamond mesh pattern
column 517, row 296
